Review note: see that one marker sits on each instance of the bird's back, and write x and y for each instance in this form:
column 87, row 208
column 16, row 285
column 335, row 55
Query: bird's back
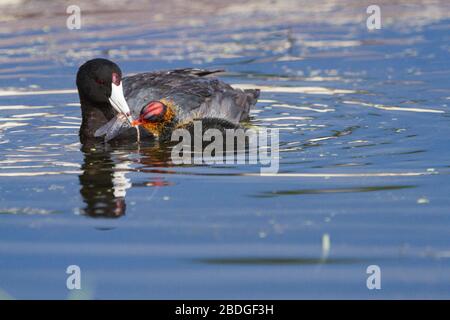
column 193, row 95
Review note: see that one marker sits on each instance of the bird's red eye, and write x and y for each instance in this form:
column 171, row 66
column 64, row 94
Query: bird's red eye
column 99, row 81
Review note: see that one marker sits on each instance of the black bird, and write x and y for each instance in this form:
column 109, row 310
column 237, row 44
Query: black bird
column 155, row 102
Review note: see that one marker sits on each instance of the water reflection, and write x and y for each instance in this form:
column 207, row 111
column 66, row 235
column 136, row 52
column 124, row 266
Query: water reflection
column 102, row 190
column 104, row 179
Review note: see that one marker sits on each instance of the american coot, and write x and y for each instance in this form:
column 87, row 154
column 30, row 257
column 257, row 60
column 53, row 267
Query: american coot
column 155, row 102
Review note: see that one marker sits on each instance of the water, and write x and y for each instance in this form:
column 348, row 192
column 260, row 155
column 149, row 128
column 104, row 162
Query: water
column 364, row 126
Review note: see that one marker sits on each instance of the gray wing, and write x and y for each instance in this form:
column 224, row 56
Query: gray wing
column 194, row 95
column 113, row 128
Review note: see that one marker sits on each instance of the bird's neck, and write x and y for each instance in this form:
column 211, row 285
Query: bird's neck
column 93, row 117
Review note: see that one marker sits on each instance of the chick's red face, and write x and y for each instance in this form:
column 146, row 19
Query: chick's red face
column 152, row 112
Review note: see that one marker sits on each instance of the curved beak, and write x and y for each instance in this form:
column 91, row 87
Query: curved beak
column 118, row 101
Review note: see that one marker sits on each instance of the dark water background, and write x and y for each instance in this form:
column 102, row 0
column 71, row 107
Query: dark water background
column 364, row 131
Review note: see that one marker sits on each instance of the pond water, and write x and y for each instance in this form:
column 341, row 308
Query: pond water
column 364, row 161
